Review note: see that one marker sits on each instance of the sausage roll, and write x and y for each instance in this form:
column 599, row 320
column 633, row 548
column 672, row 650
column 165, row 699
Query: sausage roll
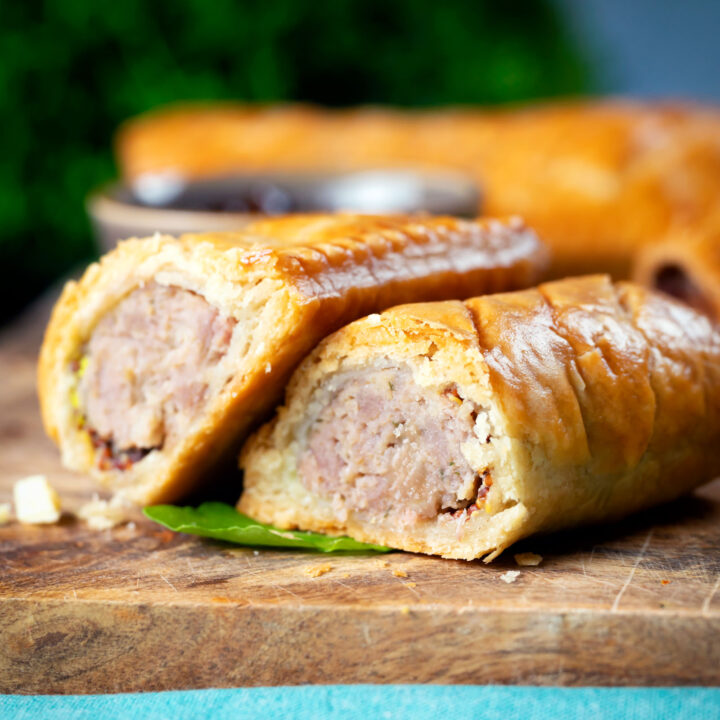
column 457, row 428
column 686, row 265
column 159, row 360
column 596, row 180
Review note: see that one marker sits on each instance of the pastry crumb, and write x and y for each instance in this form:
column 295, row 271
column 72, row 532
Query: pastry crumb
column 36, row 501
column 104, row 514
column 404, row 610
column 510, row 576
column 383, row 563
column 399, row 573
column 410, row 584
column 373, row 319
column 528, row 559
column 318, row 570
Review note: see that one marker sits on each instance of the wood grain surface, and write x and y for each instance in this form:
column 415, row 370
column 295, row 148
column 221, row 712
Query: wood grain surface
column 140, row 608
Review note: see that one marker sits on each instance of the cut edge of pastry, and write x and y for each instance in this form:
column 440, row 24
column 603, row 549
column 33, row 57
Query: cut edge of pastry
column 475, row 509
column 155, row 269
column 679, row 267
column 684, row 265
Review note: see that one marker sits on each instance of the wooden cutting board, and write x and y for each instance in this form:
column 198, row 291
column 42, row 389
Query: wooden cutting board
column 140, row 608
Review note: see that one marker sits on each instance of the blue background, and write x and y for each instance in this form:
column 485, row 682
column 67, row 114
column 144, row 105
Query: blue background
column 361, row 702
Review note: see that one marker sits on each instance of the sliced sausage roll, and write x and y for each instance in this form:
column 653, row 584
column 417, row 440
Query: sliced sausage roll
column 161, row 358
column 457, row 428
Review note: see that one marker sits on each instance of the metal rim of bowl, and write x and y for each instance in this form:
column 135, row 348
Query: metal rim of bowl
column 104, row 206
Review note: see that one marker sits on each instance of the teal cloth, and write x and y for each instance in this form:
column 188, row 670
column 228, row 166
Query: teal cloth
column 366, row 702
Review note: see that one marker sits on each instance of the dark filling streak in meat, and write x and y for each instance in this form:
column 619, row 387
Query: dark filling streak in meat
column 484, row 483
column 673, row 280
column 111, row 457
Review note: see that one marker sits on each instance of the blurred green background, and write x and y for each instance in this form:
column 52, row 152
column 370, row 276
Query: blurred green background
column 72, row 70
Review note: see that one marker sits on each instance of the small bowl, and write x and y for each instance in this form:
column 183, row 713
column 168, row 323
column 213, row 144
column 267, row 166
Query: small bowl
column 167, row 204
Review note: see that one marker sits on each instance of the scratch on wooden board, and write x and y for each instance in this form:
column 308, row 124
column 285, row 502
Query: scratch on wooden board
column 629, row 579
column 169, row 583
column 366, row 634
column 598, row 581
column 592, row 578
column 252, row 573
column 343, row 584
column 31, row 622
column 711, row 595
column 287, row 590
column 412, row 589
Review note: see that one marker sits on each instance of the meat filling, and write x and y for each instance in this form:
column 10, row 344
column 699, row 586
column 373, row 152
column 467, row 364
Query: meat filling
column 146, row 371
column 388, row 448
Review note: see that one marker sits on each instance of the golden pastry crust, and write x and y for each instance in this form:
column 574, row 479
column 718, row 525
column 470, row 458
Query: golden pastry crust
column 597, row 180
column 686, row 265
column 595, row 400
column 286, row 283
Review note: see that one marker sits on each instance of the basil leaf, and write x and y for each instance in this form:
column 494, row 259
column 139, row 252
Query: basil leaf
column 223, row 522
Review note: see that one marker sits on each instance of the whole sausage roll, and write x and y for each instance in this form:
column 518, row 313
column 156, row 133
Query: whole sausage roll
column 685, row 265
column 596, row 179
column 458, row 428
column 158, row 362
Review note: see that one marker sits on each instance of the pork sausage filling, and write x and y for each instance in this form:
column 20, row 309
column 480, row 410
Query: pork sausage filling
column 146, row 370
column 387, row 448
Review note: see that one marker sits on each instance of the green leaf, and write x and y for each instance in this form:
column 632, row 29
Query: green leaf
column 223, row 522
